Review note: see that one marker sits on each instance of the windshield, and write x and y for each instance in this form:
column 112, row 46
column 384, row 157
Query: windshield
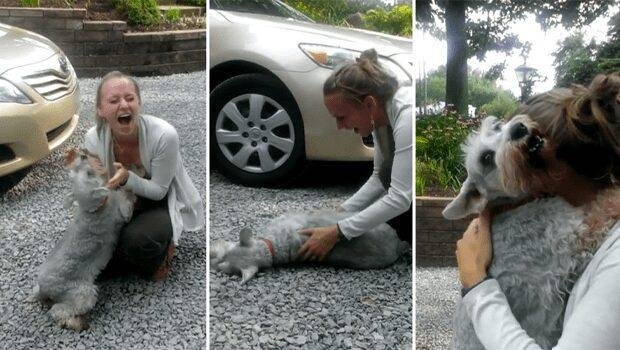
column 262, row 7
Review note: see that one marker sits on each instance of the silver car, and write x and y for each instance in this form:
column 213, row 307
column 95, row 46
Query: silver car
column 267, row 66
column 38, row 98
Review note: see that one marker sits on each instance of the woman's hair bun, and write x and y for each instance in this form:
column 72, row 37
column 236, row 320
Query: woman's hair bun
column 370, row 55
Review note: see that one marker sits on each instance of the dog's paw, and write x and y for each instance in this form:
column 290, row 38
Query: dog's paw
column 76, row 323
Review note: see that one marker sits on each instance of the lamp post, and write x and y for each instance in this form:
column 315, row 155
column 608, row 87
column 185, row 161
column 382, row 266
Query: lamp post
column 526, row 76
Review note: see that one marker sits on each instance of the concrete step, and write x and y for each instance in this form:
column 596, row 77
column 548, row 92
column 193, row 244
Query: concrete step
column 186, row 11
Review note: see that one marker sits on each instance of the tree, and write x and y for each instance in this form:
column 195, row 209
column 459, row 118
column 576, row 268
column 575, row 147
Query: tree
column 475, row 27
column 483, row 91
column 578, row 62
column 574, row 61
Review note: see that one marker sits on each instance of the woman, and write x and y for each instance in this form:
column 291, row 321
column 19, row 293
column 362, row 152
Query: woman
column 362, row 97
column 583, row 122
column 142, row 153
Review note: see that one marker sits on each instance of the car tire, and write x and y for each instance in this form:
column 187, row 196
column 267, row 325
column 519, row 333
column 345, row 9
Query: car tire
column 257, row 134
column 9, row 181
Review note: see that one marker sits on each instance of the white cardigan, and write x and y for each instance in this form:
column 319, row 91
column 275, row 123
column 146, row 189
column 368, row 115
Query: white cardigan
column 374, row 203
column 591, row 319
column 161, row 159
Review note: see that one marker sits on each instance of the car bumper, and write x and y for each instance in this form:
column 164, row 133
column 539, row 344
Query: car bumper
column 30, row 132
column 323, row 140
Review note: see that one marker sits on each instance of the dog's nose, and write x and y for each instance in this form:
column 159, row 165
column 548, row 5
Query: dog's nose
column 518, row 131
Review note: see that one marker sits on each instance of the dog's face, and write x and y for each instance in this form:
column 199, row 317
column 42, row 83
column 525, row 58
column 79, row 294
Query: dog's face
column 241, row 258
column 88, row 178
column 504, row 162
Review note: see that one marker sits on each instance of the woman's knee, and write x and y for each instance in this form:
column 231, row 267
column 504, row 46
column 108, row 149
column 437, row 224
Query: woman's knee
column 148, row 233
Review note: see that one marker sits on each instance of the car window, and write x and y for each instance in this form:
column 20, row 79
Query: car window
column 262, row 7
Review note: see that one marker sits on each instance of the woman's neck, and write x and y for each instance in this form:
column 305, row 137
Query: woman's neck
column 126, row 139
column 578, row 190
column 380, row 117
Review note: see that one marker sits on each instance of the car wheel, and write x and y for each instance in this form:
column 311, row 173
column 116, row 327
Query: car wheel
column 9, row 181
column 257, row 133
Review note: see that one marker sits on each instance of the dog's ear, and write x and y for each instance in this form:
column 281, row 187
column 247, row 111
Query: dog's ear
column 469, row 201
column 70, row 155
column 95, row 200
column 247, row 273
column 245, row 237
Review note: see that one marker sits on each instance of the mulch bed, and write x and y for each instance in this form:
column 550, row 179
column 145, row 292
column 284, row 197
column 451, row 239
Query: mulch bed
column 103, row 10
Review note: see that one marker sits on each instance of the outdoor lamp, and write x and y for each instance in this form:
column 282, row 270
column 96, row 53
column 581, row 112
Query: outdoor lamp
column 525, row 76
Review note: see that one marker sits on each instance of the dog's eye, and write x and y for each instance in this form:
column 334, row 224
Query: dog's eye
column 90, row 173
column 83, row 157
column 487, row 158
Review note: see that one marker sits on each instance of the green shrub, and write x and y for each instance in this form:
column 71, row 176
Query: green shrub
column 29, row 3
column 139, row 12
column 173, row 15
column 333, row 12
column 193, row 2
column 438, row 153
column 503, row 105
column 396, row 21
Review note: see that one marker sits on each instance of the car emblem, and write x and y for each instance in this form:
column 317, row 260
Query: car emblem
column 64, row 66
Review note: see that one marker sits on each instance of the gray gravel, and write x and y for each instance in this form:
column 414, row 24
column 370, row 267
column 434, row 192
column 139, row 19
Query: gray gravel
column 303, row 307
column 437, row 291
column 131, row 313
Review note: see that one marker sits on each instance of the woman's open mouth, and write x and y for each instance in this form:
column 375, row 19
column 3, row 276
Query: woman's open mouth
column 124, row 119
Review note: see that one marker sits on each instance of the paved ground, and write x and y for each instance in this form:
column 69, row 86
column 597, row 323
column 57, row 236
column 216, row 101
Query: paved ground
column 437, row 291
column 130, row 313
column 303, row 307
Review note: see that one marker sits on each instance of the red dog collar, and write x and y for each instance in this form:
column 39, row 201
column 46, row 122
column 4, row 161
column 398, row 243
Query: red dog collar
column 269, row 245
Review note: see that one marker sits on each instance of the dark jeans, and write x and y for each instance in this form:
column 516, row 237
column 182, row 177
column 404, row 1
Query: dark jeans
column 143, row 241
column 403, row 225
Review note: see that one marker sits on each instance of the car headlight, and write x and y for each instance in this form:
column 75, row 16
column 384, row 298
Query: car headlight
column 9, row 93
column 332, row 57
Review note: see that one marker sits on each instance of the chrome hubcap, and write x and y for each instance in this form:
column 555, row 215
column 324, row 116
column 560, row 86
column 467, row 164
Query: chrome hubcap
column 255, row 133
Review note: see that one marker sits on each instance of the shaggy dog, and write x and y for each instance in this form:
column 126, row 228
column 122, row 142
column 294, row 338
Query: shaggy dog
column 66, row 279
column 541, row 247
column 280, row 241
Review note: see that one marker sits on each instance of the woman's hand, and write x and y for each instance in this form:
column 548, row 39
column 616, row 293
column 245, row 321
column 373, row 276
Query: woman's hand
column 120, row 176
column 474, row 251
column 320, row 242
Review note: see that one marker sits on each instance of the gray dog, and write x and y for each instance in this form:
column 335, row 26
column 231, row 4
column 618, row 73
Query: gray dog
column 66, row 279
column 540, row 248
column 377, row 248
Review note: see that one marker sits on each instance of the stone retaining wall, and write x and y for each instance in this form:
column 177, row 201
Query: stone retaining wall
column 435, row 236
column 97, row 47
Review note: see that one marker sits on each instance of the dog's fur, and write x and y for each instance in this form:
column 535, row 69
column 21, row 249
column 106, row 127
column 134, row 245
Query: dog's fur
column 66, row 279
column 540, row 248
column 377, row 248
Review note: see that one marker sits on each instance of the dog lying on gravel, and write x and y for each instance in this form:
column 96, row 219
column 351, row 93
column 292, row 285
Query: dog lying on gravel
column 280, row 241
column 540, row 248
column 66, row 279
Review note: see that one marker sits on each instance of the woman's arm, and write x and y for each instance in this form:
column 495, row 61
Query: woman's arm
column 163, row 168
column 370, row 191
column 398, row 197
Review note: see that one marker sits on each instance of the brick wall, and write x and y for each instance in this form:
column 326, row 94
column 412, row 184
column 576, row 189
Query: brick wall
column 435, row 236
column 97, row 47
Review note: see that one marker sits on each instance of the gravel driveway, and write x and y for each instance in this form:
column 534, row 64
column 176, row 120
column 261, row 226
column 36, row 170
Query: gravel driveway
column 303, row 307
column 437, row 291
column 131, row 313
